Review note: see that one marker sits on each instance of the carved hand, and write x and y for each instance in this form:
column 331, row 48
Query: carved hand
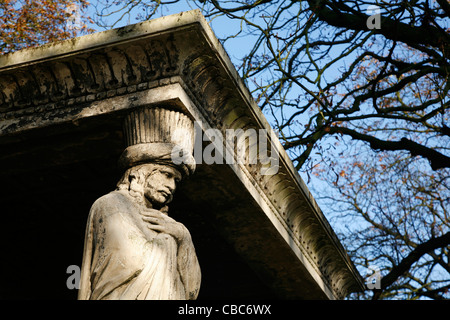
column 160, row 222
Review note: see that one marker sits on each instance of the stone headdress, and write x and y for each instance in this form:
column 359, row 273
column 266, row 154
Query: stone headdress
column 159, row 135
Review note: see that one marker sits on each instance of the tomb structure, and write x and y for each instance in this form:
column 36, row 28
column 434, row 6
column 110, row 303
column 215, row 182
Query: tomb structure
column 77, row 115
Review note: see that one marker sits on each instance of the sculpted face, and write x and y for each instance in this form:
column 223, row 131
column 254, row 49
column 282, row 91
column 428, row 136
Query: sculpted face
column 160, row 185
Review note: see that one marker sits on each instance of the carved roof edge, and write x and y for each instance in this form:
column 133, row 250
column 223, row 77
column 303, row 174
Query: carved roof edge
column 66, row 48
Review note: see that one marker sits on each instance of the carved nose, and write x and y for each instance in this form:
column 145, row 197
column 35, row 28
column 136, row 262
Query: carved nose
column 171, row 186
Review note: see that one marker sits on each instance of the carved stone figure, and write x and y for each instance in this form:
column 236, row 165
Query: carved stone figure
column 133, row 249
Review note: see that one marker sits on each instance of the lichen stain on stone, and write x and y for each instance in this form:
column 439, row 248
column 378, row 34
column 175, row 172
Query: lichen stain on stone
column 123, row 31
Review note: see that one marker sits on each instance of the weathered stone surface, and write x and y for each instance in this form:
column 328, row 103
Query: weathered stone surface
column 67, row 98
column 133, row 249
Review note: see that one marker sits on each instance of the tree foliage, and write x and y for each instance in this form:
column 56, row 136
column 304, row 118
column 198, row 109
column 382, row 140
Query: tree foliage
column 26, row 23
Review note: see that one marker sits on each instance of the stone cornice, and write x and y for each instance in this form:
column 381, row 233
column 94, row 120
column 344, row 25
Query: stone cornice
column 127, row 67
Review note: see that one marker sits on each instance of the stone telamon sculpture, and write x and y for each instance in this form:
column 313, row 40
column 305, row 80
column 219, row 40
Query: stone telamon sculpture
column 133, row 249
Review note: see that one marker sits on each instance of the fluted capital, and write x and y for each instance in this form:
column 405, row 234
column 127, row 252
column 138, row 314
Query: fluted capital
column 153, row 134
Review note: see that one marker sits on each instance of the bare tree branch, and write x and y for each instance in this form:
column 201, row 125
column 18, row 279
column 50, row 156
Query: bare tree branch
column 413, row 257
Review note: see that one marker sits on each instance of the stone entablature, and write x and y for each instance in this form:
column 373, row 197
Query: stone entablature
column 178, row 62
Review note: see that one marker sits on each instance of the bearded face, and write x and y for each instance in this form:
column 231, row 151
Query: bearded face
column 151, row 184
column 160, row 185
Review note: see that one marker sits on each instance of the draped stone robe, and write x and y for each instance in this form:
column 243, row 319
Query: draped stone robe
column 123, row 259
